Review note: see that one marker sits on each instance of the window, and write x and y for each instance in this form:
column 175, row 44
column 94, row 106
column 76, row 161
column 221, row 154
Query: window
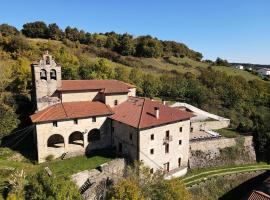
column 166, row 167
column 151, row 171
column 130, row 136
column 179, row 162
column 191, row 129
column 166, row 148
column 55, row 124
column 180, row 142
column 151, row 151
column 115, row 102
column 94, row 119
column 152, row 137
column 75, row 121
column 167, row 134
column 180, row 129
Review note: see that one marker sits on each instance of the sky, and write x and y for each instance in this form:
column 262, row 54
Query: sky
column 236, row 30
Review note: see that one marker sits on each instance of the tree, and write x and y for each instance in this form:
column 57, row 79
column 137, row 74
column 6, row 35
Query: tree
column 148, row 47
column 42, row 187
column 221, row 62
column 8, row 30
column 72, row 33
column 122, row 73
column 126, row 189
column 54, row 32
column 170, row 190
column 150, row 85
column 17, row 43
column 126, row 45
column 139, row 183
column 36, row 29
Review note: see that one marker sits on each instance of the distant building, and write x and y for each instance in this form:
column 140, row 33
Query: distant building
column 241, row 67
column 264, row 71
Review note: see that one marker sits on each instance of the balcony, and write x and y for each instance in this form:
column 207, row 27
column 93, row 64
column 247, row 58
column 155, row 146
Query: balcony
column 167, row 139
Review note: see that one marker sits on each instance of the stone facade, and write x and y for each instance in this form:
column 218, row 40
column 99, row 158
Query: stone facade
column 78, row 144
column 148, row 145
column 178, row 142
column 46, row 78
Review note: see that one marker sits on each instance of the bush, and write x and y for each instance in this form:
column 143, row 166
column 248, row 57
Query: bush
column 49, row 158
column 43, row 187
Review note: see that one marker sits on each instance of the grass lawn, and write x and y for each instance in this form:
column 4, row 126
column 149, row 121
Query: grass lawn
column 202, row 174
column 11, row 160
column 228, row 133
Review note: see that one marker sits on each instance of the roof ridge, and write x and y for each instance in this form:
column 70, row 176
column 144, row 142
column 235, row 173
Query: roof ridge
column 141, row 113
column 64, row 109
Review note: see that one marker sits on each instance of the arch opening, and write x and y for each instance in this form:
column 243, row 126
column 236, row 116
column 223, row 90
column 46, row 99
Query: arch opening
column 53, row 74
column 94, row 135
column 43, row 74
column 76, row 138
column 56, row 141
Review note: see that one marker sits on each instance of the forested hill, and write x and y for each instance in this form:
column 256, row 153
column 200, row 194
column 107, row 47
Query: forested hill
column 163, row 69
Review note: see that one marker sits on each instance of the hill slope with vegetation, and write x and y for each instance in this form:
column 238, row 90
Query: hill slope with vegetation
column 164, row 69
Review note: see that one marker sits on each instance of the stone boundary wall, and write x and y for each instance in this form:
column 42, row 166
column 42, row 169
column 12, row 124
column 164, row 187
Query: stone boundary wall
column 206, row 153
column 112, row 170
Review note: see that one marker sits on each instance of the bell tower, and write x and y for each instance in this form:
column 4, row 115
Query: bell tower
column 46, row 78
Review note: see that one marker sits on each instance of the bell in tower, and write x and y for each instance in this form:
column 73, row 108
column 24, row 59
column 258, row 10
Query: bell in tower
column 46, row 78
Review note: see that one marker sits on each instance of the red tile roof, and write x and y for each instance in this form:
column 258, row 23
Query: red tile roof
column 71, row 110
column 140, row 113
column 257, row 195
column 107, row 86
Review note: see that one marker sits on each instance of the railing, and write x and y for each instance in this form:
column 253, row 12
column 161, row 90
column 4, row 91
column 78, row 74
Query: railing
column 167, row 139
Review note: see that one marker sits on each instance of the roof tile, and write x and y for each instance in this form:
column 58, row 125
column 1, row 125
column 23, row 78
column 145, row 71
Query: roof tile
column 71, row 110
column 140, row 113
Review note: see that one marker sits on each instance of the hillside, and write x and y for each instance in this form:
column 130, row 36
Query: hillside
column 162, row 69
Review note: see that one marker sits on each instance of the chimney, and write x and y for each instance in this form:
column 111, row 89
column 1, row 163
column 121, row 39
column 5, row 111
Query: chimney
column 157, row 112
column 163, row 102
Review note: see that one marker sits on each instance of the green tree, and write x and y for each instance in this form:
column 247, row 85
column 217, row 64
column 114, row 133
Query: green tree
column 126, row 189
column 43, row 187
column 8, row 30
column 122, row 73
column 170, row 190
column 126, row 45
column 150, row 85
column 148, row 47
column 54, row 32
column 36, row 29
column 72, row 34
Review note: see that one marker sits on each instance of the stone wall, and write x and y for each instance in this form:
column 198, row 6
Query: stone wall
column 65, row 128
column 113, row 171
column 210, row 125
column 178, row 146
column 216, row 152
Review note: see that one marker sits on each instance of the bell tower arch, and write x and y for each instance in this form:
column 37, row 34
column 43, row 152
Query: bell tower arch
column 46, row 78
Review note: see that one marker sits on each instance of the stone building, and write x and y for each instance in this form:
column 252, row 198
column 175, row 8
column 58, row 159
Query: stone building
column 74, row 117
